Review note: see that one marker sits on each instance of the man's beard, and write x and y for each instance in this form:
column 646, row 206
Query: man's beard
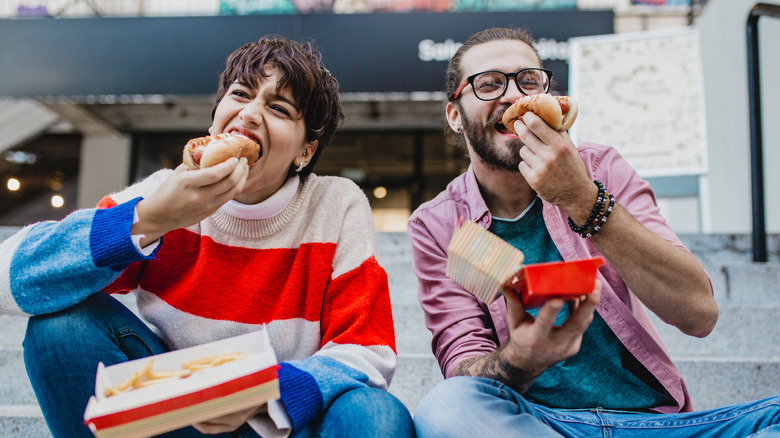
column 486, row 148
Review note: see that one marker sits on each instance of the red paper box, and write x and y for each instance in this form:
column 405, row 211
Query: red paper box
column 568, row 280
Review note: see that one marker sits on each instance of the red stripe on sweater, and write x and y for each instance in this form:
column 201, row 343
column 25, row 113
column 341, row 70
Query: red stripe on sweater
column 107, row 202
column 198, row 276
column 357, row 308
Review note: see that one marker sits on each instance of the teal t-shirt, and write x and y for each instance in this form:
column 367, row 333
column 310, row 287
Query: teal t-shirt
column 603, row 374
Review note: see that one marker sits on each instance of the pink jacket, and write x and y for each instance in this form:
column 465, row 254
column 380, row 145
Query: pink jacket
column 464, row 327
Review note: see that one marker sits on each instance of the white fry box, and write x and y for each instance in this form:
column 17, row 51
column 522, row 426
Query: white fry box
column 179, row 402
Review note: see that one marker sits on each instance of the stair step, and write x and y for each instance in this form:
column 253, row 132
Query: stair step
column 415, row 376
column 13, row 330
column 726, row 248
column 14, row 425
column 749, row 284
column 411, row 335
column 717, row 382
column 741, row 331
column 15, row 388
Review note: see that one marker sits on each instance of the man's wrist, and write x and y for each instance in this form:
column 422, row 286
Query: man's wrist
column 582, row 207
column 497, row 366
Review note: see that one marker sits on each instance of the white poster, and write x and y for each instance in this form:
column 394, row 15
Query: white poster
column 643, row 94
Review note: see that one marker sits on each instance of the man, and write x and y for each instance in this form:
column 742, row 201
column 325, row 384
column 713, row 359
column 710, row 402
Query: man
column 568, row 368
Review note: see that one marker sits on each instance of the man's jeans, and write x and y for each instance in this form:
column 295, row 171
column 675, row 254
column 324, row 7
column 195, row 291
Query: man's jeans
column 62, row 350
column 473, row 406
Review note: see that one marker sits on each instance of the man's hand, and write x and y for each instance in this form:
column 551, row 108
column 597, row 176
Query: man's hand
column 534, row 344
column 230, row 422
column 553, row 168
column 187, row 197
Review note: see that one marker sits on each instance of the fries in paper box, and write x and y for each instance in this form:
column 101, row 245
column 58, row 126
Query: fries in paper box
column 484, row 265
column 169, row 391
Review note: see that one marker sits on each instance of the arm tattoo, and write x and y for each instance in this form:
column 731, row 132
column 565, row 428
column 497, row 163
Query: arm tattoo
column 495, row 366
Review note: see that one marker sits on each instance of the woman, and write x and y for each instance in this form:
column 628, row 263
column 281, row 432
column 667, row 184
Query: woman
column 221, row 251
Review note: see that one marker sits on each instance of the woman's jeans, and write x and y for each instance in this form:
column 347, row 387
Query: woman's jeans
column 62, row 351
column 474, row 407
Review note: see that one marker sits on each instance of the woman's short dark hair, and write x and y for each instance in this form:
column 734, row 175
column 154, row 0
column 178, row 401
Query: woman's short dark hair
column 314, row 89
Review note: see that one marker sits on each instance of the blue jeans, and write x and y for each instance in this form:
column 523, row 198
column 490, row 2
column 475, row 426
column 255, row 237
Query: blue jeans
column 474, row 406
column 62, row 350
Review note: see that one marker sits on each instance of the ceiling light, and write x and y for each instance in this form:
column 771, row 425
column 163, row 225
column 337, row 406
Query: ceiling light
column 380, row 192
column 20, row 157
column 13, row 184
column 57, row 201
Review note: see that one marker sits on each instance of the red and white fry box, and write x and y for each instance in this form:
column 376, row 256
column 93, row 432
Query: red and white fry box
column 178, row 402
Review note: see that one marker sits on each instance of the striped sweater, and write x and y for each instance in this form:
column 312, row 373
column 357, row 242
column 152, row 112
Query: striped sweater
column 311, row 273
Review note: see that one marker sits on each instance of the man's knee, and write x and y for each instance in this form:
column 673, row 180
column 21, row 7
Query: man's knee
column 442, row 405
column 453, row 407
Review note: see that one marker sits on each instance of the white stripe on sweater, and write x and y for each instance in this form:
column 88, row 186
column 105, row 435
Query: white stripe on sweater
column 292, row 339
column 7, row 250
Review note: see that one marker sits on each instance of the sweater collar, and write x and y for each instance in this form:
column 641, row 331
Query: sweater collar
column 265, row 209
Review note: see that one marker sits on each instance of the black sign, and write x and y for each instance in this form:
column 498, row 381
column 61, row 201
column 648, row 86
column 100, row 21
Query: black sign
column 390, row 52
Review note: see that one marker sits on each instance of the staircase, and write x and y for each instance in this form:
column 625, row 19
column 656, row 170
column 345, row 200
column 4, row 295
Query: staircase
column 739, row 361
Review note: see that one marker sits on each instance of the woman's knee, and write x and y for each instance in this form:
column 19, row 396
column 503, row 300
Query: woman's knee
column 58, row 328
column 367, row 412
column 97, row 323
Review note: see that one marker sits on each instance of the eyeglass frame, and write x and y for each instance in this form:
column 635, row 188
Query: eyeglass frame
column 507, row 76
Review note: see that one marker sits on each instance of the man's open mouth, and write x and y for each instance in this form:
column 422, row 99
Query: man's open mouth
column 501, row 128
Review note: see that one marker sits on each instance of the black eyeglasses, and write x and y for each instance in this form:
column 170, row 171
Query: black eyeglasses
column 490, row 85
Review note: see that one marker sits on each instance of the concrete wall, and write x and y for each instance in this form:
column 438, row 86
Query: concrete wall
column 724, row 62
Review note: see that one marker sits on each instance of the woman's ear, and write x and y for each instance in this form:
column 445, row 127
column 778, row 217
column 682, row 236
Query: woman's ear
column 310, row 149
column 453, row 117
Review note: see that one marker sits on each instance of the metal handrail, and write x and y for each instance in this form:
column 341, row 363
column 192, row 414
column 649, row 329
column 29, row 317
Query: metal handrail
column 756, row 140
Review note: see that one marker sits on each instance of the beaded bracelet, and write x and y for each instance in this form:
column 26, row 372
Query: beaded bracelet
column 594, row 213
column 598, row 215
column 603, row 219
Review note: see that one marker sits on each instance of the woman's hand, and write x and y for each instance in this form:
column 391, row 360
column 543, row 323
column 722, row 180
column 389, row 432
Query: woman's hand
column 187, row 197
column 230, row 422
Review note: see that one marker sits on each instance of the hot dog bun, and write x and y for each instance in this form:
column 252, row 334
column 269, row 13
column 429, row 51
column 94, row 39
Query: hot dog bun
column 558, row 111
column 207, row 151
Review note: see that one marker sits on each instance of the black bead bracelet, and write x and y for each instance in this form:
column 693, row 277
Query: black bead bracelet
column 598, row 215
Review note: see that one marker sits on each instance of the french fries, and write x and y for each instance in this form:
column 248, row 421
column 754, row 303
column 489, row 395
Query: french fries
column 146, row 377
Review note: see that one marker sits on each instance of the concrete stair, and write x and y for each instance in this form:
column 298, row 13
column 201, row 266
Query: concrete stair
column 739, row 361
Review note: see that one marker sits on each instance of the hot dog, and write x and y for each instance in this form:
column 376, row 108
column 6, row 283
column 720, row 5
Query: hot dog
column 207, row 151
column 558, row 111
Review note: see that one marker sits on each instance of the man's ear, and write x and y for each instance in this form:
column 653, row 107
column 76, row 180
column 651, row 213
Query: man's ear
column 453, row 117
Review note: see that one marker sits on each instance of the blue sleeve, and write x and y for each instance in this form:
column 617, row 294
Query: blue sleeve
column 58, row 264
column 309, row 386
